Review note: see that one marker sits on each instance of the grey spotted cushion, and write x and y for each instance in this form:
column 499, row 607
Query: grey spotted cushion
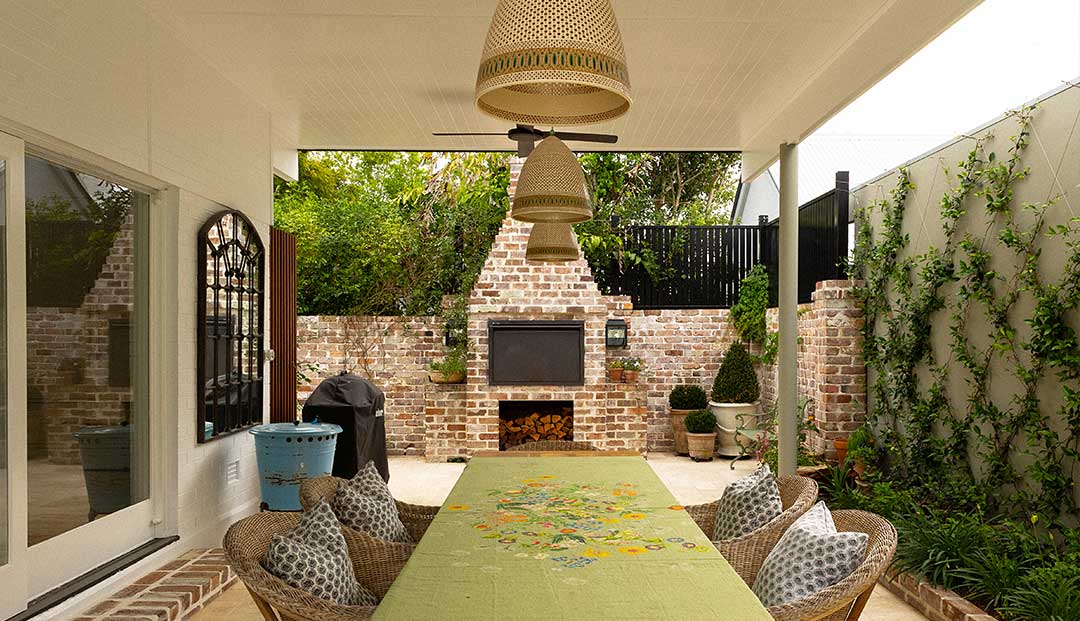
column 810, row 556
column 315, row 558
column 365, row 503
column 747, row 505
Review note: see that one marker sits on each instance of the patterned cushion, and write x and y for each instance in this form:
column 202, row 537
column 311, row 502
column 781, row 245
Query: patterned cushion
column 365, row 503
column 810, row 556
column 747, row 505
column 315, row 558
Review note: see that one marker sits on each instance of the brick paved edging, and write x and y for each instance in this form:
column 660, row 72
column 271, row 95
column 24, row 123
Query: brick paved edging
column 174, row 591
column 934, row 603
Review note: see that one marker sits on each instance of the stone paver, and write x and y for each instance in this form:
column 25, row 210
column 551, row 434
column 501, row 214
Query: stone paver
column 413, row 480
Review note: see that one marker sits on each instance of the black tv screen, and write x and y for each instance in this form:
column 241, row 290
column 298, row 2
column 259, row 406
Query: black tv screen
column 526, row 353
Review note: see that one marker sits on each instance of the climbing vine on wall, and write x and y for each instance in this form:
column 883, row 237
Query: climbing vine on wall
column 986, row 292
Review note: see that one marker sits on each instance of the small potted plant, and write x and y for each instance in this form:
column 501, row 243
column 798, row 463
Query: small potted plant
column 701, row 434
column 631, row 368
column 615, row 369
column 841, row 446
column 449, row 370
column 734, row 395
column 684, row 399
column 861, row 450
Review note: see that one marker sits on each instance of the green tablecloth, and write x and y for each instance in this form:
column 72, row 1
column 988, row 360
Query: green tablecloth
column 566, row 537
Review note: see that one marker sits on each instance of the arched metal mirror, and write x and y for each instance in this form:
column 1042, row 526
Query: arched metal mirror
column 230, row 326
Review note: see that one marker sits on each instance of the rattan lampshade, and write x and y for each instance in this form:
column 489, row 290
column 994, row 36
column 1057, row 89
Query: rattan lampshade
column 552, row 242
column 553, row 62
column 551, row 186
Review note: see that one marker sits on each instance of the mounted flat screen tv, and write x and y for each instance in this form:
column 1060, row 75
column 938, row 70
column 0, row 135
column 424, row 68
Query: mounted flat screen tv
column 524, row 353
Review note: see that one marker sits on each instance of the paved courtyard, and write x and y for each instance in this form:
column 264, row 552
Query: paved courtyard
column 413, row 480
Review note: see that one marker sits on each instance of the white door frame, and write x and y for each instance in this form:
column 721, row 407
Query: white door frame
column 48, row 564
column 14, row 574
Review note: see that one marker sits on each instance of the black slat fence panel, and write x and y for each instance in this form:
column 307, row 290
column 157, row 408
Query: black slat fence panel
column 702, row 266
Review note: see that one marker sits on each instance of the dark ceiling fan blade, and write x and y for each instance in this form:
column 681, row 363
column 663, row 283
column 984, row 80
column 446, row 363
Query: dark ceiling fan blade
column 468, row 133
column 580, row 137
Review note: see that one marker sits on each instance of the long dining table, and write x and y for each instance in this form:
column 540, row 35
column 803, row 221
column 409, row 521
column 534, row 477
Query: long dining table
column 585, row 535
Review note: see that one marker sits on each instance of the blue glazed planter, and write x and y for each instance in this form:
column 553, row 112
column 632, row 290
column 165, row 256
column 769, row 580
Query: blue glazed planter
column 287, row 454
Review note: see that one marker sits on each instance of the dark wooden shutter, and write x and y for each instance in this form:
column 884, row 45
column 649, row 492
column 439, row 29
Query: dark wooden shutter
column 282, row 326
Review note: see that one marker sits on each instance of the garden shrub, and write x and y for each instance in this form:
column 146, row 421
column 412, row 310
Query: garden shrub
column 736, row 381
column 688, row 397
column 748, row 313
column 700, row 421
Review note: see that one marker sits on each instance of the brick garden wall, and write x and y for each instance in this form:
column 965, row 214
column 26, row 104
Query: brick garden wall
column 676, row 346
column 394, row 353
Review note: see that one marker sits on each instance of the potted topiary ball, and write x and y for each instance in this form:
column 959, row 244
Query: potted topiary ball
column 683, row 400
column 734, row 395
column 701, row 434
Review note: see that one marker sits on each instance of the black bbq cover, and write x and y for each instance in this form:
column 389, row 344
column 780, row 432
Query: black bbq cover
column 357, row 406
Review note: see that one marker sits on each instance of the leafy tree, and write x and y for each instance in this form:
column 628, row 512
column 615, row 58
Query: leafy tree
column 386, row 233
column 693, row 189
column 390, row 233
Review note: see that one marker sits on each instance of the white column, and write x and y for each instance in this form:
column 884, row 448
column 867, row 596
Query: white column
column 788, row 389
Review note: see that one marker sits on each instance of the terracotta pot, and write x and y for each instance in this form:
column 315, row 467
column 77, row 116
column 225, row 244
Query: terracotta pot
column 440, row 377
column 840, row 444
column 615, row 375
column 859, row 467
column 629, row 376
column 727, row 422
column 701, row 445
column 678, row 429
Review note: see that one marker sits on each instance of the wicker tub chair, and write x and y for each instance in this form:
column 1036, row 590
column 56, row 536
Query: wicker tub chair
column 845, row 600
column 416, row 518
column 553, row 445
column 746, row 553
column 376, row 564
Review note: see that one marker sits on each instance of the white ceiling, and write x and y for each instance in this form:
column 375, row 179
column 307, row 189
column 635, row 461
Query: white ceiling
column 742, row 75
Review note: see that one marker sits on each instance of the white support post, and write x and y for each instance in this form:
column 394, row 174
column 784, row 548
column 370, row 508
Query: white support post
column 788, row 389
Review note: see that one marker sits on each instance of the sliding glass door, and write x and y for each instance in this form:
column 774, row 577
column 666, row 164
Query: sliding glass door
column 76, row 437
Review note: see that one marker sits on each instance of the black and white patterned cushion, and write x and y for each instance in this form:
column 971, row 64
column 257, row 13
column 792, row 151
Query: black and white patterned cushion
column 747, row 504
column 315, row 558
column 810, row 556
column 365, row 503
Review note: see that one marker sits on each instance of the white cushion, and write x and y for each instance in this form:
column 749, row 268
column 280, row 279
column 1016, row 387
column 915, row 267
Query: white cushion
column 810, row 556
column 747, row 504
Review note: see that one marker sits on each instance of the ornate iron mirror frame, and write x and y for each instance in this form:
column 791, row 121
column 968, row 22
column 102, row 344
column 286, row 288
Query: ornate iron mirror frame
column 229, row 372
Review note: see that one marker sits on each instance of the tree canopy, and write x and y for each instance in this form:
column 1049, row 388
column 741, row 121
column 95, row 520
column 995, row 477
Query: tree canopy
column 391, row 233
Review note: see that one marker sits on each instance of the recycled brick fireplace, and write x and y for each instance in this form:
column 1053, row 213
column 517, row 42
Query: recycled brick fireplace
column 513, row 294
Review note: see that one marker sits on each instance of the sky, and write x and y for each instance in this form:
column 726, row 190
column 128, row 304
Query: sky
column 1001, row 55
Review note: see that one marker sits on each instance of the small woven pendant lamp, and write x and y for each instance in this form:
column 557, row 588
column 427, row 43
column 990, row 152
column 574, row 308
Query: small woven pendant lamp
column 551, row 186
column 552, row 242
column 553, row 62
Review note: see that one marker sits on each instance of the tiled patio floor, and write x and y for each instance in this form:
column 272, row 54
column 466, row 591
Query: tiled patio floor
column 413, row 480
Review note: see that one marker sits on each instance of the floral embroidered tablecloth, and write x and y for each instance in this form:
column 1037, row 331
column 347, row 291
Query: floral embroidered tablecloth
column 566, row 537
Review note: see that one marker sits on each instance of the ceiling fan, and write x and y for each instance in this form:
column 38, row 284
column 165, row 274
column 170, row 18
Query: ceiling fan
column 526, row 137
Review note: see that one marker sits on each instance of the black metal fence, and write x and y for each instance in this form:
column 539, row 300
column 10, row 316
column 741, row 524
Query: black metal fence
column 702, row 266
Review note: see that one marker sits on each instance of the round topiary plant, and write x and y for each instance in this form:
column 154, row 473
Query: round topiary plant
column 736, row 381
column 688, row 397
column 700, row 421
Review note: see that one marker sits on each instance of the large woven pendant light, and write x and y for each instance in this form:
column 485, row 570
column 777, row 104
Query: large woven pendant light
column 553, row 62
column 552, row 242
column 551, row 186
